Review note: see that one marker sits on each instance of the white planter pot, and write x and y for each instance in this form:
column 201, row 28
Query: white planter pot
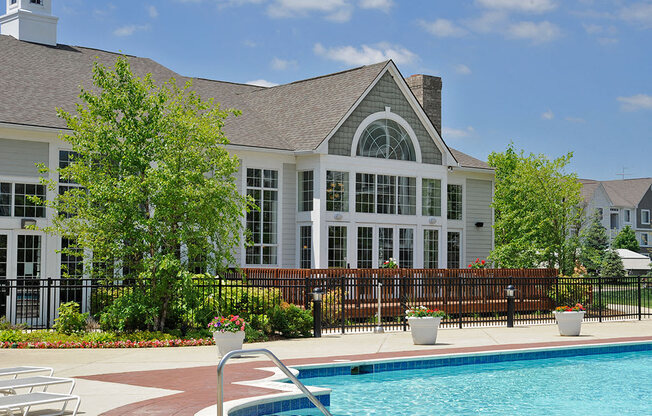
column 228, row 341
column 424, row 330
column 569, row 323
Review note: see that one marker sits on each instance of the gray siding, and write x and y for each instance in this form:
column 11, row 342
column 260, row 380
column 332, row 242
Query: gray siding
column 646, row 203
column 478, row 239
column 18, row 157
column 288, row 210
column 384, row 94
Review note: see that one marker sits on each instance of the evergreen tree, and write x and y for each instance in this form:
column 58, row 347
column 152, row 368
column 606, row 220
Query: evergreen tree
column 594, row 242
column 612, row 265
column 626, row 238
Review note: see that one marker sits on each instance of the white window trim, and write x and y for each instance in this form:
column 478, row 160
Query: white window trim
column 625, row 220
column 387, row 114
column 648, row 216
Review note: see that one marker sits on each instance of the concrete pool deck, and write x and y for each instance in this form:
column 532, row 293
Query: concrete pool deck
column 181, row 381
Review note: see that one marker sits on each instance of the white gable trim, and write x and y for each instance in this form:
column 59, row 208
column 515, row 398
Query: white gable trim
column 447, row 160
column 387, row 114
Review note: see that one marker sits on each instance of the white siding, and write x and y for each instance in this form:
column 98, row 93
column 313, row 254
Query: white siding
column 288, row 213
column 18, row 157
column 478, row 200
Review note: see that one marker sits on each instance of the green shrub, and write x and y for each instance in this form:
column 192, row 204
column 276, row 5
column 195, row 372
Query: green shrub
column 5, row 324
column 247, row 301
column 569, row 291
column 254, row 335
column 260, row 323
column 291, row 321
column 332, row 307
column 70, row 319
column 129, row 312
column 11, row 335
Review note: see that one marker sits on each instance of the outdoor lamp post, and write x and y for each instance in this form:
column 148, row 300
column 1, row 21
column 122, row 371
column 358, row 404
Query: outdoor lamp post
column 510, row 305
column 316, row 311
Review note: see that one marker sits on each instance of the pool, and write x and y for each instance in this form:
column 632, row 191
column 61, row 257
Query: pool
column 594, row 380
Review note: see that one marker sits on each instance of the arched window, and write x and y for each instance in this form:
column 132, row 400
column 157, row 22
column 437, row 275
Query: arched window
column 386, row 139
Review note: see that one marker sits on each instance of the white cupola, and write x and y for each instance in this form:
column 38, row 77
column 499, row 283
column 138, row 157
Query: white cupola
column 31, row 21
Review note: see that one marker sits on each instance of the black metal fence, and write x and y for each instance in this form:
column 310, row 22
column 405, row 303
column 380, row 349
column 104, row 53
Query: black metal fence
column 351, row 300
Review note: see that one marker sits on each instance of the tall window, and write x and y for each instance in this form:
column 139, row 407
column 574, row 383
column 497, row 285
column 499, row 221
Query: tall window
column 454, row 202
column 645, row 239
column 453, row 250
column 365, row 192
column 23, row 207
column 406, row 248
column 305, row 247
column 386, row 194
column 628, row 215
column 365, row 247
column 65, row 157
column 645, row 216
column 72, row 271
column 337, row 191
column 5, row 199
column 430, row 249
column 262, row 186
column 431, row 197
column 386, row 139
column 407, row 195
column 385, row 244
column 306, row 186
column 336, row 247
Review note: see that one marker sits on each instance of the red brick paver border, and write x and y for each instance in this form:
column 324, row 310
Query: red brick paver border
column 198, row 384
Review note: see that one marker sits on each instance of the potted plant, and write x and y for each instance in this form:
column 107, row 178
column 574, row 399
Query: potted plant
column 389, row 264
column 569, row 319
column 228, row 332
column 424, row 324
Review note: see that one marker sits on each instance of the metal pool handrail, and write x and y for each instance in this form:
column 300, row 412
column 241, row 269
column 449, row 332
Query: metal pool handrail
column 276, row 361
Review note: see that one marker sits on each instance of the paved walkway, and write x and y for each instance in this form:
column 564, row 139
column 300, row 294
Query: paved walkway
column 181, row 381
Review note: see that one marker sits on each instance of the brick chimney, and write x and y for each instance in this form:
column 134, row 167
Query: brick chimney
column 427, row 89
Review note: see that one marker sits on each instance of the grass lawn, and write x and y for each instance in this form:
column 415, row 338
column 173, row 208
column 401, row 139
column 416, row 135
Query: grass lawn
column 627, row 297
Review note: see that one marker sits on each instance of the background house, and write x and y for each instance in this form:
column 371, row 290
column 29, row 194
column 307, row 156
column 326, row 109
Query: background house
column 349, row 169
column 626, row 202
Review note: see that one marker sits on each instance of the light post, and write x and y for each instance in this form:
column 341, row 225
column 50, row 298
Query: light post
column 510, row 291
column 316, row 311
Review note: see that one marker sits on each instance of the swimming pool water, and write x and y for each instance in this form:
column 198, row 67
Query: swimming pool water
column 603, row 384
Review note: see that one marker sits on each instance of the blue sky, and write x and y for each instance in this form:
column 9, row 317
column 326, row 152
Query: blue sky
column 553, row 76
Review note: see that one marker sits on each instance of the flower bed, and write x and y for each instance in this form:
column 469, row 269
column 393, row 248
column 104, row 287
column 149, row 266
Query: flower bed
column 108, row 344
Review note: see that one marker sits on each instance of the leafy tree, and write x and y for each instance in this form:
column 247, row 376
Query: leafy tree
column 594, row 242
column 626, row 238
column 612, row 265
column 156, row 195
column 537, row 215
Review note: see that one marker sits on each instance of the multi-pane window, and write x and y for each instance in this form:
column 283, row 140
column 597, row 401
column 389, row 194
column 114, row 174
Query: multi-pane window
column 407, row 195
column 4, row 245
column 28, row 266
column 386, row 194
column 5, row 199
column 365, row 192
column 365, row 247
column 385, row 244
column 336, row 247
column 23, row 207
column 71, row 270
column 454, row 202
column 453, row 250
column 386, row 139
column 337, row 191
column 262, row 187
column 305, row 247
column 65, row 156
column 306, row 187
column 406, row 248
column 430, row 249
column 431, row 197
column 645, row 216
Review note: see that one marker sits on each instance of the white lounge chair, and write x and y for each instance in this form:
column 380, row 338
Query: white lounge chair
column 11, row 385
column 23, row 402
column 16, row 371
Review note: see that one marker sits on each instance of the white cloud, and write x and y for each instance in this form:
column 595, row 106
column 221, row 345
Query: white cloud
column 153, row 12
column 261, row 83
column 129, row 30
column 638, row 13
column 488, row 22
column 636, row 102
column 366, row 55
column 457, row 133
column 462, row 69
column 527, row 6
column 593, row 29
column 536, row 32
column 249, row 43
column 282, row 64
column 548, row 115
column 336, row 10
column 443, row 28
column 384, row 5
column 575, row 119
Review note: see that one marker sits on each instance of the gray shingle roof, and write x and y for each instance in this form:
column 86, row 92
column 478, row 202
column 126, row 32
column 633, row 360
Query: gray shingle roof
column 627, row 192
column 35, row 79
